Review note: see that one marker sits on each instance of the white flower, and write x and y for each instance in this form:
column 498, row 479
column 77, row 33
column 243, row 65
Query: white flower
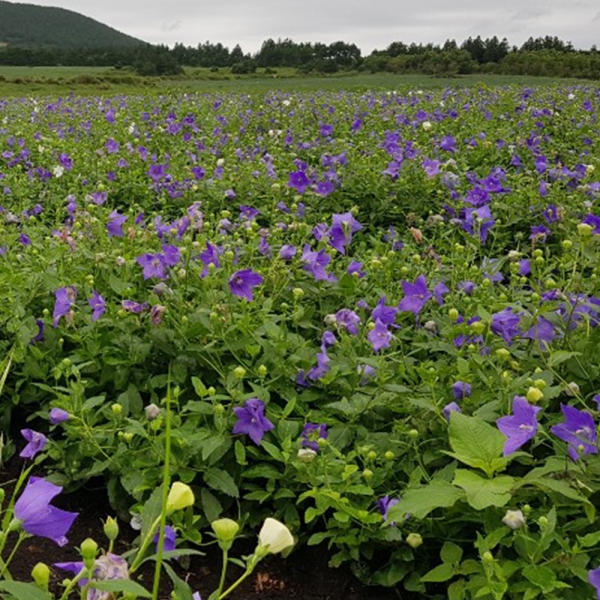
column 306, row 455
column 58, row 171
column 514, row 519
column 275, row 536
column 427, row 125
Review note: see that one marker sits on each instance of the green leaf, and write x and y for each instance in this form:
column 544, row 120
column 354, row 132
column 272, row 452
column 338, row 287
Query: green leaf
column 240, row 453
column 24, row 591
column 561, row 356
column 151, row 510
column 560, row 486
column 438, row 574
column 541, row 576
column 451, row 553
column 211, row 505
column 481, row 492
column 181, row 590
column 199, row 387
column 210, row 444
column 122, row 585
column 590, row 540
column 221, row 481
column 475, row 442
column 421, row 501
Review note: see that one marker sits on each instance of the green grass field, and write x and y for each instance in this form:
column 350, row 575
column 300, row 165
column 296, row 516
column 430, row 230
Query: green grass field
column 60, row 80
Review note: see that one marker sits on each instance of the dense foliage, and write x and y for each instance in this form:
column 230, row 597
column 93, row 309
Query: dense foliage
column 377, row 315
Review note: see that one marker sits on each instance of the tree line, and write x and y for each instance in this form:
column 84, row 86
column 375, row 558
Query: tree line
column 547, row 55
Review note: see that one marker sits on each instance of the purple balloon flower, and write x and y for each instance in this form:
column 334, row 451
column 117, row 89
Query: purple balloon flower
column 594, row 579
column 520, row 427
column 461, row 390
column 343, row 227
column 380, row 337
column 315, row 263
column 114, row 226
column 208, row 257
column 152, row 264
column 58, row 415
column 242, row 283
column 384, row 504
column 311, row 434
column 449, row 408
column 578, row 430
column 348, row 320
column 36, row 443
column 416, row 295
column 37, row 516
column 64, row 300
column 252, row 420
column 506, row 324
column 170, row 539
column 287, row 252
column 383, row 313
column 98, row 305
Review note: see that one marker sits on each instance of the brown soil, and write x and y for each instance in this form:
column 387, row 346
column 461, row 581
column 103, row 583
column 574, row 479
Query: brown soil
column 304, row 575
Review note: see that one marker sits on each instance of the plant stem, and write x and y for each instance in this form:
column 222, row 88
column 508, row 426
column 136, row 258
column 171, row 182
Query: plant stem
column 223, row 573
column 145, row 543
column 3, row 571
column 252, row 562
column 165, row 492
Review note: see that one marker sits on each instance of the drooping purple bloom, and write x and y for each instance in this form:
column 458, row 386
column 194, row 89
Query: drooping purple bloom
column 169, row 541
column 58, row 415
column 25, row 239
column 449, row 408
column 38, row 517
column 322, row 367
column 468, row 287
column 36, row 442
column 311, row 434
column 242, row 283
column 252, row 420
column 594, row 222
column 578, row 430
column 328, row 339
column 520, row 427
column 98, row 305
column 384, row 504
column 525, row 267
column 416, row 295
column 367, row 372
column 114, row 226
column 506, row 324
column 348, row 320
column 134, row 307
column 39, row 337
column 356, row 267
column 542, row 330
column 461, row 390
column 439, row 291
column 539, row 233
column 64, row 301
column 380, row 337
column 208, row 257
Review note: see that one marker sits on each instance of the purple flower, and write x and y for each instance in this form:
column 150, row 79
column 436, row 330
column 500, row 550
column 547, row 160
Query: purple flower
column 311, row 434
column 287, row 252
column 542, row 331
column 112, row 146
column 134, row 307
column 525, row 267
column 506, row 324
column 152, row 265
column 416, row 295
column 384, row 504
column 315, row 263
column 578, row 430
column 58, row 415
column 383, row 313
column 367, row 372
column 449, row 408
column 114, row 226
column 348, row 319
column 208, row 257
column 252, row 420
column 539, row 233
column 36, row 443
column 37, row 516
column 594, row 222
column 356, row 267
column 98, row 305
column 520, row 427
column 380, row 337
column 594, row 579
column 64, row 300
column 322, row 365
column 170, row 255
column 169, row 541
column 439, row 291
column 39, row 337
column 461, row 390
column 25, row 239
column 328, row 339
column 242, row 283
column 299, row 181
column 343, row 227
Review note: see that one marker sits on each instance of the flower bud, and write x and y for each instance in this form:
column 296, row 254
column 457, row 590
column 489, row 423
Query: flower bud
column 180, row 497
column 298, row 292
column 127, row 436
column 225, row 530
column 453, row 314
column 414, row 540
column 572, row 389
column 487, row 558
column 239, row 372
column 543, row 522
column 514, row 519
column 540, row 384
column 306, row 455
column 274, row 537
column 117, row 409
column 152, row 412
column 368, row 474
column 584, row 230
column 262, row 371
column 111, row 528
column 88, row 550
column 41, row 575
column 413, row 433
column 534, row 394
column 389, row 455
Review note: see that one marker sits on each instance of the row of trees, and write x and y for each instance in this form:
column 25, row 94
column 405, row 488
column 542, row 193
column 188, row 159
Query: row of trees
column 545, row 55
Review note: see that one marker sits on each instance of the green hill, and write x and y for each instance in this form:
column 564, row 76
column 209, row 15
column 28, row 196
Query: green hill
column 28, row 25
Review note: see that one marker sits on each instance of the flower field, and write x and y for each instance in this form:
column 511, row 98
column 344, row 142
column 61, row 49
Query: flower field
column 371, row 317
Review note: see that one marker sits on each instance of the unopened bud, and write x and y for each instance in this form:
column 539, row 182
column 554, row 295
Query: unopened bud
column 306, row 455
column 534, row 394
column 514, row 519
column 225, row 530
column 111, row 529
column 41, row 575
column 414, row 540
column 180, row 497
column 152, row 412
column 117, row 409
column 239, row 372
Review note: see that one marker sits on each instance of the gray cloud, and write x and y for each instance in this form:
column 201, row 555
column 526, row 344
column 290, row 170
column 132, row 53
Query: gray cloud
column 372, row 24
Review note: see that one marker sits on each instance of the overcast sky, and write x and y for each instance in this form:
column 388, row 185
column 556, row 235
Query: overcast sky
column 367, row 23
